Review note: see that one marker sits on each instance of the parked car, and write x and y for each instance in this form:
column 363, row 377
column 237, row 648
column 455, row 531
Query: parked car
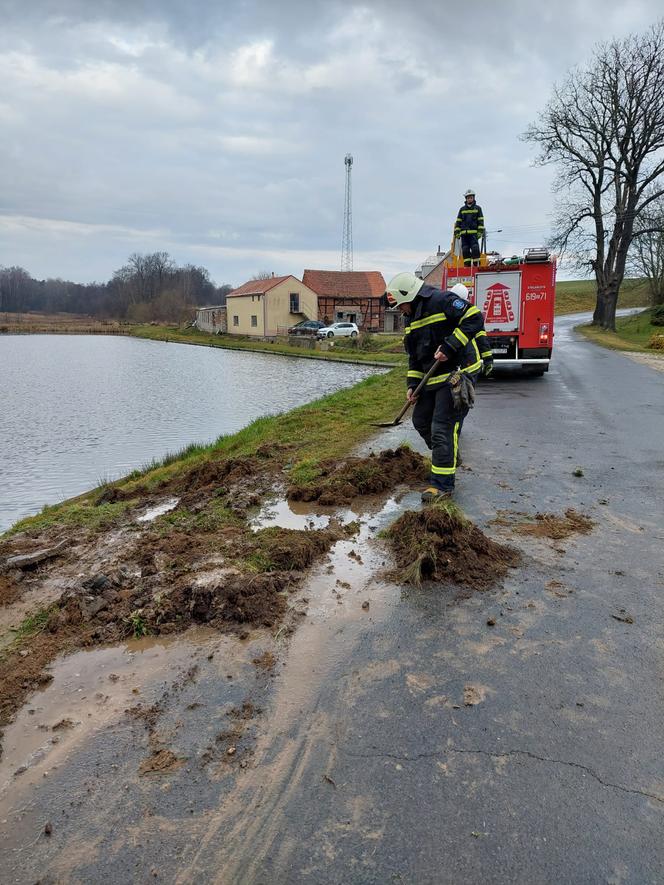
column 338, row 330
column 306, row 327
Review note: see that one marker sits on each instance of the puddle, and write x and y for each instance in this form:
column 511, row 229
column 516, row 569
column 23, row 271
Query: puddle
column 90, row 690
column 290, row 515
column 159, row 510
column 303, row 515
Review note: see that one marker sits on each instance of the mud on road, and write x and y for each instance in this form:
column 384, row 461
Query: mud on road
column 211, row 565
column 199, row 561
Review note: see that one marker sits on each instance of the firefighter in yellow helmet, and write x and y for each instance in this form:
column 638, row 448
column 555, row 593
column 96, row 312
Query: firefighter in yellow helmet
column 440, row 326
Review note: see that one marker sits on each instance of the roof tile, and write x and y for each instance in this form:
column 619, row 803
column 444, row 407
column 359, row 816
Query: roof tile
column 345, row 283
column 258, row 287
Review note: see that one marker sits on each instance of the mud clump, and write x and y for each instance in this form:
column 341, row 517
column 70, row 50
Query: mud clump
column 159, row 762
column 163, row 585
column 279, row 549
column 339, row 483
column 258, row 600
column 557, row 528
column 439, row 544
column 10, row 589
column 234, row 480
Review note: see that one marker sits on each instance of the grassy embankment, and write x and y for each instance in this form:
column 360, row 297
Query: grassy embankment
column 632, row 333
column 378, row 350
column 328, row 428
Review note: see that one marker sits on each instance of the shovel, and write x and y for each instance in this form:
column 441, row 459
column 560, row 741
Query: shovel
column 416, row 392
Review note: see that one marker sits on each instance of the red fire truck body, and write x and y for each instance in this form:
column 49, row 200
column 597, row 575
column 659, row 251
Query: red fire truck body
column 516, row 297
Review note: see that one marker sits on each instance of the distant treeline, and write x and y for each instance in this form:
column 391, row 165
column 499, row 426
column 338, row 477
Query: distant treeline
column 146, row 288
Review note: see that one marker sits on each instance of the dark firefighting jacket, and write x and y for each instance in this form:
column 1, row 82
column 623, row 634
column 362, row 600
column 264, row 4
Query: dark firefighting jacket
column 442, row 319
column 470, row 220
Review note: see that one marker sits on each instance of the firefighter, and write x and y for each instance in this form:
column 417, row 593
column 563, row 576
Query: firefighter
column 440, row 326
column 469, row 228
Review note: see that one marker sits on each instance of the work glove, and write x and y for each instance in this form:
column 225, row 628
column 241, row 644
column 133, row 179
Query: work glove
column 463, row 392
column 487, row 366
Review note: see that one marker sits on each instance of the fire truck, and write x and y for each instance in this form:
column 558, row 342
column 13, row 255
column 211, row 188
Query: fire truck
column 516, row 296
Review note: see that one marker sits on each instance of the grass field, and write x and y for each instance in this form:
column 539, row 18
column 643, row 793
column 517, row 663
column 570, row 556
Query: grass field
column 576, row 296
column 632, row 333
column 58, row 323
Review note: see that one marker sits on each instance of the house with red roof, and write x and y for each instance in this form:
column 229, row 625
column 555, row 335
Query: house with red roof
column 266, row 308
column 349, row 296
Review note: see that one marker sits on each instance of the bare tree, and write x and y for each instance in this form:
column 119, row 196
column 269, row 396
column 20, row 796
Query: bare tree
column 604, row 130
column 647, row 255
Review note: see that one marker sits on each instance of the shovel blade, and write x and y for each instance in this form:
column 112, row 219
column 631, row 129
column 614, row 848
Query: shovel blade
column 387, row 423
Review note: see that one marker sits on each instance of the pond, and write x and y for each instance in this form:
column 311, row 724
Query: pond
column 77, row 410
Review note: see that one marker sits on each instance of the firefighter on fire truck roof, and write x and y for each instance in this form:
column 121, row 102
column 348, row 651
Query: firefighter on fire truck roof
column 441, row 326
column 469, row 228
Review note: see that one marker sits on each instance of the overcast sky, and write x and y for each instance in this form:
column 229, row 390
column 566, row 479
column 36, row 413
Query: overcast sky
column 216, row 131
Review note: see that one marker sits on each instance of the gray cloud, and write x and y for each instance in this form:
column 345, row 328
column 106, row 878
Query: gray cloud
column 218, row 131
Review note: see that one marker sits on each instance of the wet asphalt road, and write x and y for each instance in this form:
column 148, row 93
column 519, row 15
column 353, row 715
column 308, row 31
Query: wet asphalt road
column 367, row 766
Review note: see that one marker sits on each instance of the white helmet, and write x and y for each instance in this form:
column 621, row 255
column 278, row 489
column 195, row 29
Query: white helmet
column 403, row 288
column 460, row 290
column 469, row 193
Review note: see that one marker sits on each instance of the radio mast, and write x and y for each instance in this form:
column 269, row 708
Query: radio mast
column 347, row 237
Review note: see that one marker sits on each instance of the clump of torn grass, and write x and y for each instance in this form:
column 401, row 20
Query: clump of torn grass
column 439, row 543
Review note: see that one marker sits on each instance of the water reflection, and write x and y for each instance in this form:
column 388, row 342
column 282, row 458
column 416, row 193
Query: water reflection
column 77, row 410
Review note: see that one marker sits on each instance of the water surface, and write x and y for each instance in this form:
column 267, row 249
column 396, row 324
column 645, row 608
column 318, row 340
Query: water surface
column 76, row 410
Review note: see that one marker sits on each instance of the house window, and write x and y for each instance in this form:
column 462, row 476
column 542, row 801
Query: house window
column 254, row 320
column 236, row 321
column 294, row 302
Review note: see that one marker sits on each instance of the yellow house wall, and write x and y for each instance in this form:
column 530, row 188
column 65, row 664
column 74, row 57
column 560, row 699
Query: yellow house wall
column 243, row 307
column 279, row 316
column 272, row 310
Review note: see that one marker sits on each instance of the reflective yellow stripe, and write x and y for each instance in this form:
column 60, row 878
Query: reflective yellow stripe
column 444, row 471
column 476, row 349
column 427, row 321
column 472, row 310
column 474, row 368
column 458, row 334
column 438, row 379
column 469, row 231
column 413, row 374
column 486, row 353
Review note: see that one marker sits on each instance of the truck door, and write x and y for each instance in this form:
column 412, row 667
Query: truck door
column 498, row 296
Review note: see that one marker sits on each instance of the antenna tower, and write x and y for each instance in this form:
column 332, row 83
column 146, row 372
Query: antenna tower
column 347, row 237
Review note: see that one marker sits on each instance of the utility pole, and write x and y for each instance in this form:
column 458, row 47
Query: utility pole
column 347, row 237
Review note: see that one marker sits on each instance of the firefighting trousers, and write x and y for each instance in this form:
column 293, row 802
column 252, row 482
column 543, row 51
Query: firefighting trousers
column 470, row 247
column 439, row 424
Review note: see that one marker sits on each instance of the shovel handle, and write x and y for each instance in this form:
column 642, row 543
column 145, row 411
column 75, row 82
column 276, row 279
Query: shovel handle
column 417, row 391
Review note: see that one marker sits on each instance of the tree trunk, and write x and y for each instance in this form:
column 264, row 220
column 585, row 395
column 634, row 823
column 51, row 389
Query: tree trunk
column 610, row 304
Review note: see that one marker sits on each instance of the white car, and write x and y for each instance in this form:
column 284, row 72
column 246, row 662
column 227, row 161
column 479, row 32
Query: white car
column 338, row 330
